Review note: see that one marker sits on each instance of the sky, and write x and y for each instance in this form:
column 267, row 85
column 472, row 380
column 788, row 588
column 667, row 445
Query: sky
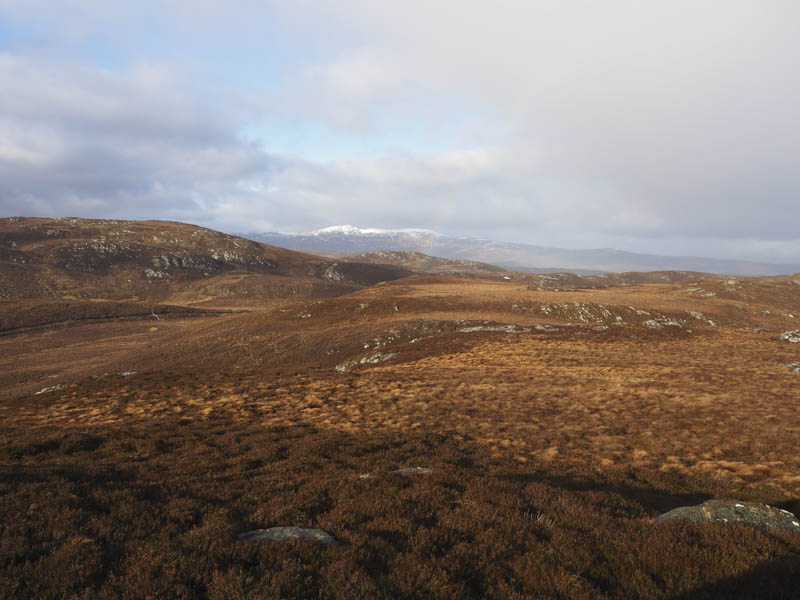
column 650, row 126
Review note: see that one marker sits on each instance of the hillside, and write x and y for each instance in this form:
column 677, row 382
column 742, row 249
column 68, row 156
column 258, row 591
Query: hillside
column 70, row 258
column 423, row 263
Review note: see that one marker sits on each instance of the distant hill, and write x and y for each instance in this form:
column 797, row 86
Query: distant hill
column 423, row 263
column 346, row 240
column 71, row 258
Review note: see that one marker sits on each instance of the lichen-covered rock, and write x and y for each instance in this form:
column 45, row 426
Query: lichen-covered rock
column 52, row 388
column 372, row 359
column 758, row 515
column 791, row 336
column 661, row 322
column 279, row 534
column 501, row 328
column 414, row 471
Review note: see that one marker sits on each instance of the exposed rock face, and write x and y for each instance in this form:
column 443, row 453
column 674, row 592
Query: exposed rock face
column 791, row 336
column 762, row 516
column 279, row 534
column 332, row 273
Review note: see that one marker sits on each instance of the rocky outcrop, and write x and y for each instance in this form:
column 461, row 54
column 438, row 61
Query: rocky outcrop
column 372, row 359
column 791, row 336
column 763, row 516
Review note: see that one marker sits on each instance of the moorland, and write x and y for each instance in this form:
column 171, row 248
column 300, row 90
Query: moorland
column 164, row 388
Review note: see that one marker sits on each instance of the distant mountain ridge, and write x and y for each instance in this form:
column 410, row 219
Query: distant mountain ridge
column 343, row 240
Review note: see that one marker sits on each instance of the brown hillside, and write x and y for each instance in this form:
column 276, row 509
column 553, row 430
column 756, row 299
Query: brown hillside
column 70, row 258
column 422, row 263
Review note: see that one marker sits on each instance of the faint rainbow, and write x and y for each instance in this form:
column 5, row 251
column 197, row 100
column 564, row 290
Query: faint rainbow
column 440, row 215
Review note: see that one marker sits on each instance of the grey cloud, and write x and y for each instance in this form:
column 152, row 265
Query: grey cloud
column 688, row 110
column 652, row 126
column 131, row 144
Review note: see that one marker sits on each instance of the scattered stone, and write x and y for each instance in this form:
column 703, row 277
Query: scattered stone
column 763, row 516
column 546, row 328
column 661, row 323
column 345, row 366
column 794, row 367
column 372, row 359
column 52, row 388
column 280, row 534
column 376, row 358
column 126, row 373
column 791, row 336
column 414, row 471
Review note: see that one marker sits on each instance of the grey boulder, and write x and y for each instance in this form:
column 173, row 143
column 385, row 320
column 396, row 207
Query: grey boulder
column 763, row 516
column 279, row 534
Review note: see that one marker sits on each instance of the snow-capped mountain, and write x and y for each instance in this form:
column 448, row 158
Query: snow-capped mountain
column 350, row 230
column 342, row 240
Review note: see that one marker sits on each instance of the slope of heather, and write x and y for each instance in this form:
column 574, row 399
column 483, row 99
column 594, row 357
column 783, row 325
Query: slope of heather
column 70, row 258
column 422, row 263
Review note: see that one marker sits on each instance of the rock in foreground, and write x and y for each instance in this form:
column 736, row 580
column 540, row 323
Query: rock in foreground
column 762, row 516
column 279, row 534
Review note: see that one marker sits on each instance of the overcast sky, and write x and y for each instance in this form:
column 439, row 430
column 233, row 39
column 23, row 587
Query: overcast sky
column 666, row 127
